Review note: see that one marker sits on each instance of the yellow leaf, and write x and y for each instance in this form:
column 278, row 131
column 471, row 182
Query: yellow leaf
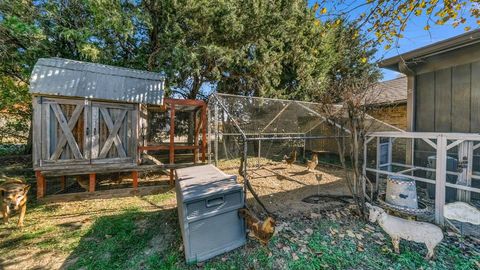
column 418, row 12
column 364, row 60
column 323, row 11
column 478, row 22
column 467, row 28
column 387, row 47
column 315, row 7
column 426, row 28
column 317, row 22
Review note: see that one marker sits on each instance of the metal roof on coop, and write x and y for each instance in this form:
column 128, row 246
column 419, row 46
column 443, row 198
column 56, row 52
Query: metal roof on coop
column 63, row 77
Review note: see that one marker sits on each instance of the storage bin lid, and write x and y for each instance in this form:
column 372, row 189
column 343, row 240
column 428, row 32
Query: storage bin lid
column 203, row 181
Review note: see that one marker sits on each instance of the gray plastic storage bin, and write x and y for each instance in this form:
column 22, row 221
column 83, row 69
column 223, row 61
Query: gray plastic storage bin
column 208, row 201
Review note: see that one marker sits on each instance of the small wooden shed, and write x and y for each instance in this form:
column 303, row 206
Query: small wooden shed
column 86, row 117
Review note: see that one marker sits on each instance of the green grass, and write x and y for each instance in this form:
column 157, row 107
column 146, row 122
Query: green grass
column 143, row 233
column 133, row 238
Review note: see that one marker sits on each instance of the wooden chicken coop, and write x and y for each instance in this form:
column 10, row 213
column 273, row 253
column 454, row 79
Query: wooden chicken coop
column 88, row 118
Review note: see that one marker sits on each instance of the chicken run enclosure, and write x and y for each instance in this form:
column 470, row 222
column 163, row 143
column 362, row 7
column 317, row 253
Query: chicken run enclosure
column 268, row 129
column 252, row 134
column 265, row 131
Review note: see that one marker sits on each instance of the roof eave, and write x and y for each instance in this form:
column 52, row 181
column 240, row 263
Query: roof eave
column 453, row 43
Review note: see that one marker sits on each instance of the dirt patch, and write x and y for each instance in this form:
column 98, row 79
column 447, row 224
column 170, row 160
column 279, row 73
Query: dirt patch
column 282, row 188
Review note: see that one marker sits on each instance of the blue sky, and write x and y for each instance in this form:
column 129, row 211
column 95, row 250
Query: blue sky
column 414, row 35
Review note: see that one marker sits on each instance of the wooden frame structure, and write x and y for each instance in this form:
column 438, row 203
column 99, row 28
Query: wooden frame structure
column 200, row 126
column 441, row 143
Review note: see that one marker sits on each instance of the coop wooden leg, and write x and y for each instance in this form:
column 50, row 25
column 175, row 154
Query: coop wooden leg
column 135, row 179
column 171, row 177
column 91, row 186
column 41, row 185
column 63, row 181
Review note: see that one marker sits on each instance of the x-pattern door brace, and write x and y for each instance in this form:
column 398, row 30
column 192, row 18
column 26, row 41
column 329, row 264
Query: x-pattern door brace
column 113, row 137
column 66, row 127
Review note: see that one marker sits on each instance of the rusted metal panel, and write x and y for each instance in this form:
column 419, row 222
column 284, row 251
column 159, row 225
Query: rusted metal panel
column 63, row 77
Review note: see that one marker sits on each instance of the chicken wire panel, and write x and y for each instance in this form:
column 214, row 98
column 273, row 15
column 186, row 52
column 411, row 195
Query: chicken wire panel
column 291, row 125
column 255, row 115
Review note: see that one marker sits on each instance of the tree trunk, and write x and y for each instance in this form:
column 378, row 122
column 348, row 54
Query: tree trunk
column 197, row 83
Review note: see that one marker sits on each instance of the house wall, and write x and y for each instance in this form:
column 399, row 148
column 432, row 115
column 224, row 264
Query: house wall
column 395, row 115
column 448, row 99
column 447, row 91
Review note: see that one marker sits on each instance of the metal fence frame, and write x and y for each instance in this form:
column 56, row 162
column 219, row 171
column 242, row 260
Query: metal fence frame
column 467, row 142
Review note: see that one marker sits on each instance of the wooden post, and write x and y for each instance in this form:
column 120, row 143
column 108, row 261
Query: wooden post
column 195, row 136
column 440, row 175
column 91, row 184
column 217, row 136
column 63, row 183
column 172, row 139
column 41, row 184
column 204, row 131
column 135, row 179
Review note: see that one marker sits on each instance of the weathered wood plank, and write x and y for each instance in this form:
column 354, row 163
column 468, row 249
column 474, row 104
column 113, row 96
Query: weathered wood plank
column 61, row 100
column 87, row 131
column 111, row 160
column 105, row 194
column 461, row 98
column 110, row 168
column 113, row 136
column 63, row 138
column 95, row 148
column 424, row 103
column 443, row 100
column 36, row 130
column 119, row 106
column 133, row 134
column 45, row 132
column 66, row 131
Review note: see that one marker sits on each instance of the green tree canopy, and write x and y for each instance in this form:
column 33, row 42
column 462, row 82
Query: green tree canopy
column 264, row 48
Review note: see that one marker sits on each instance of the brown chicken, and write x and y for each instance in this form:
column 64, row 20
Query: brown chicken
column 312, row 164
column 262, row 231
column 292, row 158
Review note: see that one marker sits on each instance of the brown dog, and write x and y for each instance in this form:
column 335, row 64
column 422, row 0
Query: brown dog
column 14, row 197
column 262, row 231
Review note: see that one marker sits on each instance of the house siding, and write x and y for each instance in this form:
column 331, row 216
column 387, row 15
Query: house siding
column 447, row 94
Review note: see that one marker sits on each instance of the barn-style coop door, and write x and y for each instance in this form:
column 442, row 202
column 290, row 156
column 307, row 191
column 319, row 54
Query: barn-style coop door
column 63, row 131
column 85, row 132
column 113, row 137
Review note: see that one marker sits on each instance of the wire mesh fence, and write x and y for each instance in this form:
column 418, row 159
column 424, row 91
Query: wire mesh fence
column 274, row 129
